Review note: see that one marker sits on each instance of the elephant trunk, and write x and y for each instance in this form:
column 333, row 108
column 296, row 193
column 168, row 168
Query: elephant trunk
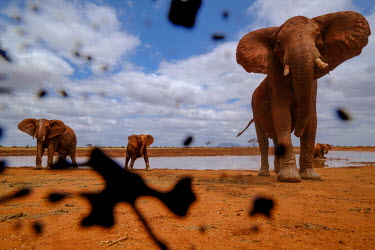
column 143, row 146
column 302, row 65
column 39, row 149
column 41, row 137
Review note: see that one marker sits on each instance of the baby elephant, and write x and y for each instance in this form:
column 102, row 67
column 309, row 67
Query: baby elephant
column 137, row 146
column 51, row 134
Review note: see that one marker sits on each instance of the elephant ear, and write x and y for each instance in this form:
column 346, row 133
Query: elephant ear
column 28, row 126
column 149, row 140
column 255, row 50
column 328, row 146
column 344, row 34
column 133, row 140
column 57, row 128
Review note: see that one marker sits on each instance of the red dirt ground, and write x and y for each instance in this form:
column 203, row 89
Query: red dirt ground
column 336, row 213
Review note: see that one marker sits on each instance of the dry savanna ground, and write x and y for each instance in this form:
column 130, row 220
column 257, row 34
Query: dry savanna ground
column 336, row 213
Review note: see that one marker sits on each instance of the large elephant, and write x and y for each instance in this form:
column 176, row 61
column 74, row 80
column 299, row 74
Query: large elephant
column 293, row 56
column 51, row 134
column 321, row 149
column 137, row 146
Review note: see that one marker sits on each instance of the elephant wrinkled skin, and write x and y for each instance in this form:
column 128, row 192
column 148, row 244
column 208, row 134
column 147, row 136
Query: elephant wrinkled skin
column 321, row 149
column 137, row 146
column 293, row 56
column 51, row 134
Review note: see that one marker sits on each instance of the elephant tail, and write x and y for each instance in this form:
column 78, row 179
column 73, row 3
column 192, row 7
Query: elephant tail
column 246, row 127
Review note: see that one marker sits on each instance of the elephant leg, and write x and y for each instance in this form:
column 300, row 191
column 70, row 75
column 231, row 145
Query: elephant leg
column 132, row 162
column 72, row 155
column 127, row 158
column 276, row 160
column 288, row 167
column 39, row 155
column 145, row 156
column 307, row 142
column 51, row 153
column 263, row 146
column 63, row 156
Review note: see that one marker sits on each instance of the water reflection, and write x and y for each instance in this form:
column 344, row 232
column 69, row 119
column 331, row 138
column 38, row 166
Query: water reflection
column 335, row 159
column 319, row 163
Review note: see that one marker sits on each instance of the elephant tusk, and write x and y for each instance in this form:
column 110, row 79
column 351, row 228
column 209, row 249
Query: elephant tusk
column 320, row 63
column 44, row 137
column 286, row 70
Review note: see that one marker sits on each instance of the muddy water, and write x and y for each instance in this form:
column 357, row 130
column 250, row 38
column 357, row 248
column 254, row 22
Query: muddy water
column 334, row 159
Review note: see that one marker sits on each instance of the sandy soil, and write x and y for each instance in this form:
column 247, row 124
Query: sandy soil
column 337, row 213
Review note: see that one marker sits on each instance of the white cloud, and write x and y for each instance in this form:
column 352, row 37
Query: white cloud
column 270, row 13
column 207, row 95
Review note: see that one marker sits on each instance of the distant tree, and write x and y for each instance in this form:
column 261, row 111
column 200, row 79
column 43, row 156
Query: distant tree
column 89, row 145
column 207, row 143
column 253, row 141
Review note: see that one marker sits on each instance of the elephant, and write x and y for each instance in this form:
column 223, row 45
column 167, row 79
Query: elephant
column 137, row 146
column 321, row 149
column 51, row 134
column 294, row 56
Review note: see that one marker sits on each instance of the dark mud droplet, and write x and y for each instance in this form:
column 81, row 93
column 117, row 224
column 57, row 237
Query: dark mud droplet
column 42, row 93
column 262, row 206
column 280, row 150
column 56, row 197
column 183, row 12
column 38, row 227
column 188, row 141
column 343, row 115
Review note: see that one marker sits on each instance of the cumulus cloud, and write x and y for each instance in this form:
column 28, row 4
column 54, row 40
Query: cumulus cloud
column 61, row 36
column 270, row 13
column 207, row 95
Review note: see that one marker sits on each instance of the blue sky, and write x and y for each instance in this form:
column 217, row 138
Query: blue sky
column 161, row 79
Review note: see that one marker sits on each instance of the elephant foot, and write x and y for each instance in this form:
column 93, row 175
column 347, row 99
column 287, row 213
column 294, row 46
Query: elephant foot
column 38, row 168
column 288, row 175
column 263, row 172
column 148, row 169
column 277, row 170
column 309, row 174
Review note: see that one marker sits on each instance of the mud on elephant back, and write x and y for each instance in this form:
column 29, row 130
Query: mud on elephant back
column 294, row 56
column 51, row 134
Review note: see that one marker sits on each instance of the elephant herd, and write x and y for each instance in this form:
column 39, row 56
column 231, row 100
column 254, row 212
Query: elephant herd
column 293, row 56
column 58, row 137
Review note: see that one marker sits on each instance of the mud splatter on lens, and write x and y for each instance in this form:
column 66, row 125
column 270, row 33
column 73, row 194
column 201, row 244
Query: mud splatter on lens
column 37, row 227
column 4, row 55
column 280, row 150
column 262, row 206
column 42, row 93
column 56, row 197
column 183, row 12
column 217, row 36
column 64, row 93
column 188, row 141
column 343, row 115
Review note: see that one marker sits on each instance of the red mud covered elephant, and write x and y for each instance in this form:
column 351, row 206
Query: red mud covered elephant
column 51, row 134
column 137, row 146
column 321, row 149
column 294, row 56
